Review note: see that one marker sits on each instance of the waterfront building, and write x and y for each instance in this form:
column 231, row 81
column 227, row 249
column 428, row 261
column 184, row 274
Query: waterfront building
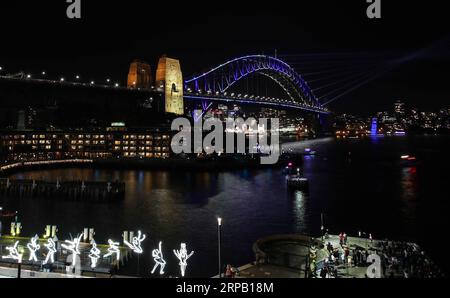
column 23, row 145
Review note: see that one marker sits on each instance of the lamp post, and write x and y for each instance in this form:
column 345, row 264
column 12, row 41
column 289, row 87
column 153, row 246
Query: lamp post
column 19, row 263
column 322, row 227
column 1, row 209
column 219, row 238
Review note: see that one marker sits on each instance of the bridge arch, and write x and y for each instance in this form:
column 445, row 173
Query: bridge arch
column 222, row 77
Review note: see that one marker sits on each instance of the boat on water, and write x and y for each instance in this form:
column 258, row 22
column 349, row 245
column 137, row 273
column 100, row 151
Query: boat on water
column 290, row 169
column 297, row 182
column 309, row 151
column 408, row 161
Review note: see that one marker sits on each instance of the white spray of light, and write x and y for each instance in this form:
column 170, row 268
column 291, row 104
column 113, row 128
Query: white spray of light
column 135, row 244
column 159, row 260
column 51, row 251
column 183, row 256
column 113, row 249
column 74, row 247
column 94, row 254
column 33, row 247
column 13, row 253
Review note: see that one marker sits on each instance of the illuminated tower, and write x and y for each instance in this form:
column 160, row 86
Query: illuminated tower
column 170, row 79
column 139, row 75
column 374, row 127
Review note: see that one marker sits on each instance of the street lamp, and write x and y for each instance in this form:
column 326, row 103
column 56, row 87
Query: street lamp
column 219, row 238
column 1, row 209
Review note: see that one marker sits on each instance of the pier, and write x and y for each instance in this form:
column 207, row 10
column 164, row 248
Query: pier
column 299, row 256
column 68, row 190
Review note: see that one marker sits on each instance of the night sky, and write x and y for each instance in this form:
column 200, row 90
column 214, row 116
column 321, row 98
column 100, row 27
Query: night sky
column 38, row 36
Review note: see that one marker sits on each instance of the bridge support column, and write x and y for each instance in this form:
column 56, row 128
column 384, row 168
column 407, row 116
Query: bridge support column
column 169, row 75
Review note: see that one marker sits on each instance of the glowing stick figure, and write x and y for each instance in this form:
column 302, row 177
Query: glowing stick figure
column 33, row 247
column 73, row 246
column 159, row 260
column 51, row 246
column 183, row 256
column 135, row 244
column 94, row 254
column 13, row 253
column 113, row 249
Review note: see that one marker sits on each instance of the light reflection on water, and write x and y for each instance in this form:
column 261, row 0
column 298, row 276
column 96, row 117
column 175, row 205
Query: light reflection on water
column 368, row 191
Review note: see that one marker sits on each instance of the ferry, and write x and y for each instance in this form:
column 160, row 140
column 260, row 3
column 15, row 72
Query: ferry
column 290, row 169
column 408, row 161
column 297, row 182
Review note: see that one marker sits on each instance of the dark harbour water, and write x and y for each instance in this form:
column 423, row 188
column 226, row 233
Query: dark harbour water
column 366, row 190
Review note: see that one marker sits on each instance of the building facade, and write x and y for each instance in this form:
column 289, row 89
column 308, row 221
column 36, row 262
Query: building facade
column 16, row 146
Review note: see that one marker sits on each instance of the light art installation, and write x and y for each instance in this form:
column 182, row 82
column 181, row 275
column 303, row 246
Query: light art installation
column 113, row 249
column 135, row 244
column 94, row 254
column 73, row 246
column 13, row 253
column 33, row 246
column 159, row 260
column 183, row 256
column 51, row 246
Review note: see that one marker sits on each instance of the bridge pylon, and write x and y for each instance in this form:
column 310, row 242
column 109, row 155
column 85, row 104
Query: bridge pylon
column 170, row 78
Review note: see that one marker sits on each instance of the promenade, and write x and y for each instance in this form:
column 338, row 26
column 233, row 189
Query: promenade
column 333, row 258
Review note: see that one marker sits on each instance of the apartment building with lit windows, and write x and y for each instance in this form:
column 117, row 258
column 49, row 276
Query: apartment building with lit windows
column 16, row 146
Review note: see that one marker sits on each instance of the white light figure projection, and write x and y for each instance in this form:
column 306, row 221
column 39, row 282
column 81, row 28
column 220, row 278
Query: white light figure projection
column 33, row 247
column 159, row 260
column 13, row 253
column 51, row 246
column 183, row 256
column 113, row 249
column 135, row 244
column 94, row 254
column 73, row 246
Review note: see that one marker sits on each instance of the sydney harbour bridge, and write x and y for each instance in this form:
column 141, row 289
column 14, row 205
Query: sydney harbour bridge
column 217, row 85
column 214, row 85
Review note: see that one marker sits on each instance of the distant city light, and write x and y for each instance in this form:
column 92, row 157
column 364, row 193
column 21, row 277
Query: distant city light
column 92, row 82
column 28, row 76
column 108, row 80
column 116, row 84
column 43, row 73
column 77, row 77
column 62, row 79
